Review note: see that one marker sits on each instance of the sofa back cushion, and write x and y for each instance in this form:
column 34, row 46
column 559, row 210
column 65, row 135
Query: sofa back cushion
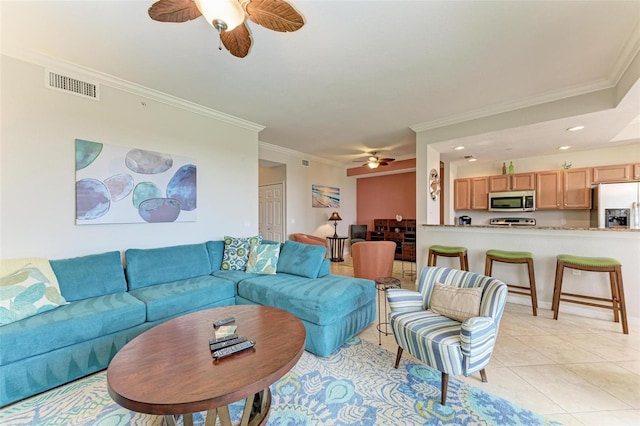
column 300, row 259
column 90, row 276
column 146, row 267
column 215, row 249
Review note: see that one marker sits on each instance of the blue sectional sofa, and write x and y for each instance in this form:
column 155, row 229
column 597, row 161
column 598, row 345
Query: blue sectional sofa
column 108, row 305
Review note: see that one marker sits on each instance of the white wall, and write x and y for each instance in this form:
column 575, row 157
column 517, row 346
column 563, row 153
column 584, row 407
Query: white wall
column 37, row 162
column 301, row 217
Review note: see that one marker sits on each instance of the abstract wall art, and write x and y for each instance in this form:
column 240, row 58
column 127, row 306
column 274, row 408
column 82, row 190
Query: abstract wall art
column 325, row 196
column 124, row 185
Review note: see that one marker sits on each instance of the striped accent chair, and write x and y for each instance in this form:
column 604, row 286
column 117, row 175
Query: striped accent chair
column 450, row 346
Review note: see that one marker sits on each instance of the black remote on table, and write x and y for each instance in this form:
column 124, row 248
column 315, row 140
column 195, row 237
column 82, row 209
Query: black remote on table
column 222, row 339
column 221, row 353
column 223, row 322
column 227, row 343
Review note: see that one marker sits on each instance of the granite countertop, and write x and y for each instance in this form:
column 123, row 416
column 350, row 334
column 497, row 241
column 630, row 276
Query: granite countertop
column 559, row 228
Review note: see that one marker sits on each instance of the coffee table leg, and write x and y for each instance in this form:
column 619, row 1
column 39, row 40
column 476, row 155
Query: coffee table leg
column 187, row 420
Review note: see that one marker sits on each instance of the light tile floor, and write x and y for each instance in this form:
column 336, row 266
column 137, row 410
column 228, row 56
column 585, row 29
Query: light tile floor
column 576, row 370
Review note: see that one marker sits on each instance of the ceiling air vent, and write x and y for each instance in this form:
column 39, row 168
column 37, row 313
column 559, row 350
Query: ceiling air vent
column 305, row 162
column 72, row 85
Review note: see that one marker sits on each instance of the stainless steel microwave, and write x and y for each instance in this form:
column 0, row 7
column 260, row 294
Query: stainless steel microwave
column 515, row 201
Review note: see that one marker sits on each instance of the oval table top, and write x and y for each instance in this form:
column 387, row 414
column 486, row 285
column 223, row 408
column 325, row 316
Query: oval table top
column 169, row 368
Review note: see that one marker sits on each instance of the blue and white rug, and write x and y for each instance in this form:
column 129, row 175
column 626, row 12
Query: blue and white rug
column 355, row 386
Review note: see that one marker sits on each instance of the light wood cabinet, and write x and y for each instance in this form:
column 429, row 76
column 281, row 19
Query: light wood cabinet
column 563, row 189
column 636, row 172
column 471, row 193
column 549, row 190
column 615, row 173
column 517, row 182
column 577, row 189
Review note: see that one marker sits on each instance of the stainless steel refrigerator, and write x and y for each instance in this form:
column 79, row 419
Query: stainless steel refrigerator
column 616, row 205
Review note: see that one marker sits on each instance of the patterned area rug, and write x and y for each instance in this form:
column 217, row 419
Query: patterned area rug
column 355, row 386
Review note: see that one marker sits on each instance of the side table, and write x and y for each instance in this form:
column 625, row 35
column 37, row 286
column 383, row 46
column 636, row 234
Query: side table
column 336, row 248
column 382, row 285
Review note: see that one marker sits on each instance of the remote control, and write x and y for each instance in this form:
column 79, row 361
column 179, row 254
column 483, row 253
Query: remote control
column 223, row 322
column 221, row 353
column 227, row 343
column 222, row 339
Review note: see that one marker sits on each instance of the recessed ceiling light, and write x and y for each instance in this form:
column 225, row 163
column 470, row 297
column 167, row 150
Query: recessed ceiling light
column 458, row 148
column 575, row 128
column 472, row 159
column 564, row 148
column 469, row 158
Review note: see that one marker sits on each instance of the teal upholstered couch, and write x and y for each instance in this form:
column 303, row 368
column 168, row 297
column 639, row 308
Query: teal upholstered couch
column 110, row 305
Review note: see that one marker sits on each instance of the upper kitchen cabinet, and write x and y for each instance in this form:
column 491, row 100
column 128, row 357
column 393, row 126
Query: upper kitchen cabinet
column 563, row 189
column 471, row 193
column 517, row 182
column 616, row 173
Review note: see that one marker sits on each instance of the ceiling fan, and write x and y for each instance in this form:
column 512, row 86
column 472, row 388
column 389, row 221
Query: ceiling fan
column 373, row 162
column 228, row 17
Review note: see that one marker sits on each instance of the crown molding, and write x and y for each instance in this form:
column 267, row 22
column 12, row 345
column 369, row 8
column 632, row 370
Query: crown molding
column 296, row 154
column 628, row 54
column 513, row 106
column 49, row 62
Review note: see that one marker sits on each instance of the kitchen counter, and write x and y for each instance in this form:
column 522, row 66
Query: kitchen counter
column 560, row 228
column 545, row 243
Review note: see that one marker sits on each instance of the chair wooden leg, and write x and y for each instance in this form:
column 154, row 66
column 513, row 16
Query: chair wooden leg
column 532, row 284
column 615, row 301
column 557, row 290
column 623, row 307
column 488, row 266
column 483, row 375
column 445, row 384
column 398, row 356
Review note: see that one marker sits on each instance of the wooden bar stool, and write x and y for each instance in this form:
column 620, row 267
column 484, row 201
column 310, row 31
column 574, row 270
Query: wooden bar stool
column 592, row 264
column 446, row 251
column 516, row 257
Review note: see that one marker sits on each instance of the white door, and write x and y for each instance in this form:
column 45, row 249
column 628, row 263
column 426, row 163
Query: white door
column 271, row 211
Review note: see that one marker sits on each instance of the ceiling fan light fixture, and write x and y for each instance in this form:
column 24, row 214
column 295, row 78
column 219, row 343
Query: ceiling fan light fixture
column 373, row 164
column 223, row 15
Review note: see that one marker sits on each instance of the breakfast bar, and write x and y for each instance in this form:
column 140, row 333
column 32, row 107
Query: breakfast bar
column 545, row 243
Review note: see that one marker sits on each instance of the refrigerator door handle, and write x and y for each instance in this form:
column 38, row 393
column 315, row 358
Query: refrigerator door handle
column 636, row 215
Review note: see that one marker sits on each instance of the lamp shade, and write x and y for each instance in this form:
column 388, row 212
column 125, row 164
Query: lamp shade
column 335, row 216
column 217, row 12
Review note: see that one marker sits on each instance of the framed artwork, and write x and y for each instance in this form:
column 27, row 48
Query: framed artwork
column 325, row 196
column 126, row 185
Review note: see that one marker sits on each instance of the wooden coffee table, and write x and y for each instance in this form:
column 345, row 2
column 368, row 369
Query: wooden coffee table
column 168, row 370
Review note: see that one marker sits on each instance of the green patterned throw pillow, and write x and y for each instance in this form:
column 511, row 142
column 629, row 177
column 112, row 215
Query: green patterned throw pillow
column 236, row 252
column 27, row 292
column 263, row 259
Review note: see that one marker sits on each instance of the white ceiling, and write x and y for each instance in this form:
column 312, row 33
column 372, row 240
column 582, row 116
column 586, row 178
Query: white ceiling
column 361, row 74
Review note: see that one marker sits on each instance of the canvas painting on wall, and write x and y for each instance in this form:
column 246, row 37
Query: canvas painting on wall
column 124, row 185
column 325, row 196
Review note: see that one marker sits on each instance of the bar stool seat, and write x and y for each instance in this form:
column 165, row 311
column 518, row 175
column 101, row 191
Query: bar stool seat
column 592, row 264
column 448, row 251
column 515, row 257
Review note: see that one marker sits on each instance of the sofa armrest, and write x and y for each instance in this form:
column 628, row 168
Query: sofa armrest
column 401, row 300
column 477, row 339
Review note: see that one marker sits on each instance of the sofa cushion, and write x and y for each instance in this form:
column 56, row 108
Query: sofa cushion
column 146, row 267
column 90, row 276
column 317, row 300
column 177, row 297
column 27, row 292
column 300, row 259
column 263, row 259
column 216, row 251
column 236, row 252
column 66, row 325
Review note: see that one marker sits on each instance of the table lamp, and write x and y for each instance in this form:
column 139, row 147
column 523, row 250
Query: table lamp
column 335, row 217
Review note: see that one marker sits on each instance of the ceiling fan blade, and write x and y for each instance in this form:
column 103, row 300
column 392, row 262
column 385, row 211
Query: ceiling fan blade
column 174, row 11
column 387, row 160
column 276, row 15
column 382, row 163
column 237, row 41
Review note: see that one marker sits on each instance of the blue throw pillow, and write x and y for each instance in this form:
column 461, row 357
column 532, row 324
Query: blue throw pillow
column 301, row 259
column 236, row 252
